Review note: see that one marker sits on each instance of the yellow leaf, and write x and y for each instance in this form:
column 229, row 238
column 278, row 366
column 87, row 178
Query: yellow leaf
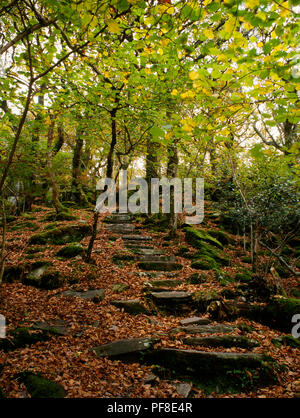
column 193, row 75
column 252, row 3
column 113, row 26
column 260, row 44
column 160, row 51
column 148, row 71
column 174, row 92
column 208, row 33
column 170, row 10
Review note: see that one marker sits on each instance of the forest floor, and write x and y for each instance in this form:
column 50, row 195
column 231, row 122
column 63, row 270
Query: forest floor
column 69, row 359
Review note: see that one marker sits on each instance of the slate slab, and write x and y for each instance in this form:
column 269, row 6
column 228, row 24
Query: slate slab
column 125, row 346
column 132, row 306
column 94, row 295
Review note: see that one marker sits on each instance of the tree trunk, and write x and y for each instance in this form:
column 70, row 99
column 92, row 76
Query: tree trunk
column 77, row 193
column 172, row 173
column 55, row 192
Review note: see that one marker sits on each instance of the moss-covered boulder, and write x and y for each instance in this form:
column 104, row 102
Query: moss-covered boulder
column 71, row 250
column 205, row 263
column 204, row 299
column 221, row 236
column 210, row 251
column 278, row 313
column 196, row 278
column 286, row 340
column 196, row 237
column 244, row 276
column 44, row 276
column 40, row 387
column 22, row 337
column 61, row 216
column 61, row 235
column 13, row 273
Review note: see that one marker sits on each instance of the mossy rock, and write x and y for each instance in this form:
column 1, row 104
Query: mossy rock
column 204, row 299
column 279, row 312
column 223, row 278
column 61, row 235
column 205, row 263
column 122, row 256
column 51, row 280
column 120, row 287
column 61, row 216
column 196, row 278
column 196, row 237
column 221, row 236
column 210, row 251
column 40, row 387
column 286, row 340
column 22, row 337
column 24, row 225
column 71, row 250
column 37, row 249
column 244, row 276
column 13, row 273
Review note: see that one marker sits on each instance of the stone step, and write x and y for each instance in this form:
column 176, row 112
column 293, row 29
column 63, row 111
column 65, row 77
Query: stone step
column 55, row 326
column 122, row 228
column 205, row 365
column 149, row 251
column 118, row 218
column 173, row 300
column 134, row 238
column 132, row 306
column 195, row 320
column 159, row 265
column 226, row 341
column 204, row 329
column 151, row 257
column 131, row 349
column 94, row 295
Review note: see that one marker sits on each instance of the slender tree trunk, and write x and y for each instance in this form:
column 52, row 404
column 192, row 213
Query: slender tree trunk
column 172, row 173
column 55, row 192
column 2, row 250
column 77, row 192
column 110, row 157
column 17, row 137
column 151, row 166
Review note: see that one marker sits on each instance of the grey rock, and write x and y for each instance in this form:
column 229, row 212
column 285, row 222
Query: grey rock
column 125, row 346
column 195, row 320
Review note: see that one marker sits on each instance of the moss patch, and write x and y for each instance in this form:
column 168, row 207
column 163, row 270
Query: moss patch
column 196, row 237
column 70, row 251
column 61, row 235
column 39, row 387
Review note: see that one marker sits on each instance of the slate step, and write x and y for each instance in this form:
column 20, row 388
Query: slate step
column 126, row 349
column 195, row 320
column 155, row 258
column 122, row 228
column 138, row 238
column 55, row 326
column 94, row 295
column 118, row 218
column 226, row 341
column 173, row 301
column 204, row 329
column 147, row 251
column 203, row 365
column 132, row 306
column 159, row 265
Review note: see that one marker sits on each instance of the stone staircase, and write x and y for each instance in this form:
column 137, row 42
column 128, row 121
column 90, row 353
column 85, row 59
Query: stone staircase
column 161, row 296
